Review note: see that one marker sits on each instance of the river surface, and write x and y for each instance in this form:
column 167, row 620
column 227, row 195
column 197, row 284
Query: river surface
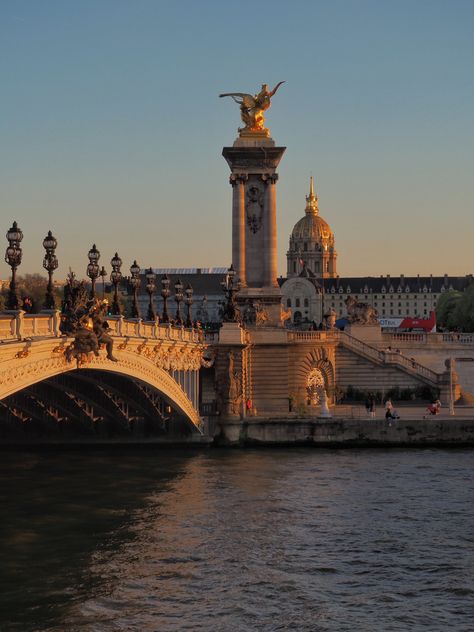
column 229, row 541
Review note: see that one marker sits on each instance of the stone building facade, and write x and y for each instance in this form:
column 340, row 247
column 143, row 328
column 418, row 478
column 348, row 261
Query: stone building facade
column 313, row 287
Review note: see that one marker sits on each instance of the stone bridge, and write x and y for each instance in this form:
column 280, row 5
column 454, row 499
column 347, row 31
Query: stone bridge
column 154, row 383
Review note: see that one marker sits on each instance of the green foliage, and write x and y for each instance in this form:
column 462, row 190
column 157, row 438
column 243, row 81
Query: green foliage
column 455, row 310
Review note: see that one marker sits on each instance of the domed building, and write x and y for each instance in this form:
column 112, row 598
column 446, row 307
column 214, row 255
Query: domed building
column 312, row 243
column 311, row 258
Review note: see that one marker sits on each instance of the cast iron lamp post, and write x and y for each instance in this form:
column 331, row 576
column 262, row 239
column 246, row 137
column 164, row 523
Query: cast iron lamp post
column 93, row 268
column 50, row 263
column 150, row 288
column 103, row 274
column 188, row 301
column 13, row 258
column 135, row 283
column 178, row 297
column 116, row 277
column 165, row 292
column 230, row 287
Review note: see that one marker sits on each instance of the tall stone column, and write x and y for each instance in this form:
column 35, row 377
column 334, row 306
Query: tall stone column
column 238, row 226
column 270, row 232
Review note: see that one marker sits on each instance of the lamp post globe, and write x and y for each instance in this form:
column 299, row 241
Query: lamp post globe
column 103, row 274
column 150, row 288
column 135, row 283
column 93, row 268
column 116, row 276
column 230, row 287
column 188, row 301
column 13, row 256
column 165, row 293
column 178, row 297
column 50, row 263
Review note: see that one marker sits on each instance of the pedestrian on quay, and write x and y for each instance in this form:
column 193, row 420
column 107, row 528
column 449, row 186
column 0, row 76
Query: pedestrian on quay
column 390, row 412
column 370, row 405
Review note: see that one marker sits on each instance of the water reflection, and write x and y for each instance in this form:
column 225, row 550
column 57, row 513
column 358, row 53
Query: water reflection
column 230, row 541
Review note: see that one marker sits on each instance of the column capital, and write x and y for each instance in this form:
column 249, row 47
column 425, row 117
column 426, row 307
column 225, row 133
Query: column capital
column 269, row 178
column 238, row 178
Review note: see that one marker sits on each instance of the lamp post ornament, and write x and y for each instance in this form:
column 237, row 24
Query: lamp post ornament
column 93, row 268
column 13, row 258
column 116, row 276
column 50, row 263
column 165, row 293
column 188, row 300
column 135, row 283
column 150, row 288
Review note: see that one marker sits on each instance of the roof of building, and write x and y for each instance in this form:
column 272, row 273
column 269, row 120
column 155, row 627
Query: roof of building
column 312, row 226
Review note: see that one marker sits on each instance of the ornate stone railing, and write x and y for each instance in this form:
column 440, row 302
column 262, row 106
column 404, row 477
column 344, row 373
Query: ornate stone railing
column 434, row 338
column 16, row 326
column 301, row 336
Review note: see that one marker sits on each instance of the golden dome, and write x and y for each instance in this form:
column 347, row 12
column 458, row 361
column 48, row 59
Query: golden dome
column 312, row 227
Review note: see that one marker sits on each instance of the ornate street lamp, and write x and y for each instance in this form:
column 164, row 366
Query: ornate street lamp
column 50, row 263
column 188, row 301
column 13, row 258
column 116, row 277
column 134, row 281
column 178, row 297
column 93, row 268
column 231, row 287
column 150, row 288
column 103, row 274
column 165, row 292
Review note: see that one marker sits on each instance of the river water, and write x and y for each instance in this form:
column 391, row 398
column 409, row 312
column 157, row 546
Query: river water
column 228, row 541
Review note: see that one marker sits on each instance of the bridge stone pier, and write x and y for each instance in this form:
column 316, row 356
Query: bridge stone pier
column 150, row 394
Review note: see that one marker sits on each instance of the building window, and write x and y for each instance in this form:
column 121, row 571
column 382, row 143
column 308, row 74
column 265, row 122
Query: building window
column 399, row 312
column 288, row 302
column 294, row 266
column 297, row 302
column 391, row 312
column 305, row 246
column 306, row 302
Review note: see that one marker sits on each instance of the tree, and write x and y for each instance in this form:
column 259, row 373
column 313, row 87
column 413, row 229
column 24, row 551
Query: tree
column 446, row 309
column 34, row 286
column 455, row 310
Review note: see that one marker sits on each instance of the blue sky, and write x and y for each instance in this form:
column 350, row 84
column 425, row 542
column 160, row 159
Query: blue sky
column 112, row 129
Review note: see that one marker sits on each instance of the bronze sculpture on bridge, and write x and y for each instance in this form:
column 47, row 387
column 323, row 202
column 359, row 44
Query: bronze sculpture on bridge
column 84, row 319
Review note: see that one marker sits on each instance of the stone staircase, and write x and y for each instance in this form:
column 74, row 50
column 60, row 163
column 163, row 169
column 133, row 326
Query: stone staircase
column 389, row 359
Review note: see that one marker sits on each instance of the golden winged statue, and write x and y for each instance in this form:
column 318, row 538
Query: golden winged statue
column 252, row 108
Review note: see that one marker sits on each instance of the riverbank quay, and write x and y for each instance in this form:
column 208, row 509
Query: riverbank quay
column 349, row 427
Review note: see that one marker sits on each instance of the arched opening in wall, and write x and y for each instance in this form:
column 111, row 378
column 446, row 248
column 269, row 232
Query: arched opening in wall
column 297, row 318
column 93, row 406
column 315, row 384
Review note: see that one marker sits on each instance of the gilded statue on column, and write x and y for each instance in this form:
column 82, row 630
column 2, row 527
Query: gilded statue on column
column 252, row 108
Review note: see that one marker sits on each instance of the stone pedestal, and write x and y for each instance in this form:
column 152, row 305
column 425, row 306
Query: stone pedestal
column 370, row 334
column 253, row 160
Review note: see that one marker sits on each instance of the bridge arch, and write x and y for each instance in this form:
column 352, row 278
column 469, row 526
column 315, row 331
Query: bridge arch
column 44, row 359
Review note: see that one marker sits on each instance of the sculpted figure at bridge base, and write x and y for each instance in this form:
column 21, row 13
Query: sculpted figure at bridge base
column 85, row 320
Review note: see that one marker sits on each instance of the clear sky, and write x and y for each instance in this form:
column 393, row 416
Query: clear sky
column 111, row 128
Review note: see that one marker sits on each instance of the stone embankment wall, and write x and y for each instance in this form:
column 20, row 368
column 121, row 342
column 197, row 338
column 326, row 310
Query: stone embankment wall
column 342, row 433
